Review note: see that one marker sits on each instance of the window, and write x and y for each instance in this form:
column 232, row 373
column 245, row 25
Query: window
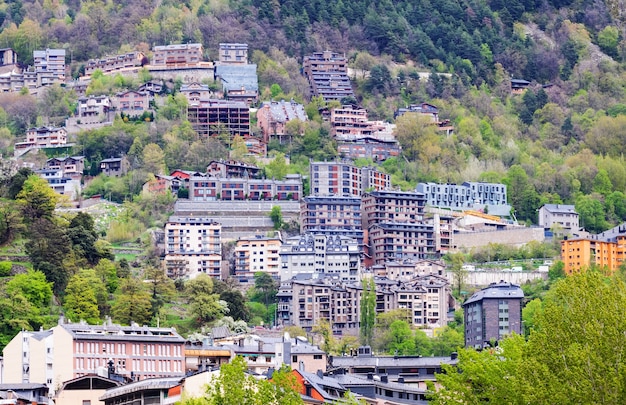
column 317, row 357
column 294, row 359
column 86, row 402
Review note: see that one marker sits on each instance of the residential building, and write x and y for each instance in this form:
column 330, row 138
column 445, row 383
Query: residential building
column 492, row 313
column 93, row 109
column 327, row 73
column 193, row 246
column 380, row 389
column 348, row 121
column 162, row 183
column 317, row 255
column 177, row 55
column 422, row 108
column 11, row 79
column 232, row 169
column 257, row 254
column 71, row 350
column 132, row 103
column 214, row 117
column 49, row 67
column 84, row 390
column 392, row 206
column 8, row 57
column 272, row 117
column 565, row 216
column 239, row 82
column 519, row 85
column 318, row 387
column 304, row 302
column 332, row 215
column 427, row 298
column 233, row 53
column 368, row 148
column 264, row 353
column 488, row 197
column 408, row 269
column 24, row 394
column 115, row 64
column 581, row 253
column 62, row 183
column 345, row 179
column 195, row 92
column 43, row 137
column 72, row 166
column 115, row 167
column 401, row 240
column 239, row 189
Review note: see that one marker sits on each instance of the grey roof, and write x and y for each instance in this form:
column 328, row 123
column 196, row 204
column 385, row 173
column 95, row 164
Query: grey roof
column 283, row 111
column 234, row 77
column 497, row 291
column 348, row 380
column 152, row 383
column 22, row 386
column 390, row 361
column 126, row 333
column 560, row 208
column 319, row 383
column 111, row 160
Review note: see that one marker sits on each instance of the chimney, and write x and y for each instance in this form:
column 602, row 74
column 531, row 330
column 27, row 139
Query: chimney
column 320, row 373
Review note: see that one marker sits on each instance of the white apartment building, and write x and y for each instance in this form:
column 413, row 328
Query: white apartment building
column 254, row 254
column 193, row 246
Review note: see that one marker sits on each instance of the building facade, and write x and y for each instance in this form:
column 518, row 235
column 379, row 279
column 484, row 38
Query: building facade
column 493, row 313
column 565, row 216
column 214, row 117
column 178, row 55
column 133, row 103
column 490, row 197
column 93, row 109
column 257, row 254
column 345, row 179
column 240, row 189
column 43, row 137
column 272, row 117
column 332, row 215
column 233, row 53
column 578, row 254
column 116, row 63
column 317, row 255
column 327, row 73
column 49, row 66
column 71, row 350
column 193, row 246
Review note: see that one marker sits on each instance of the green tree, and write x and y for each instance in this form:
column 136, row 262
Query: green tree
column 161, row 287
column 265, row 288
column 277, row 168
column 368, row 310
column 447, row 341
column 133, row 303
column 276, row 216
column 36, row 199
column 323, row 328
column 33, row 286
column 80, row 301
column 203, row 303
column 529, row 313
column 401, row 339
column 236, row 302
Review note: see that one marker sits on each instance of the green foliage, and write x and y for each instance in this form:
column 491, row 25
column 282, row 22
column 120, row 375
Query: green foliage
column 80, row 300
column 276, row 216
column 33, row 286
column 36, row 199
column 132, row 303
column 204, row 305
column 368, row 311
column 5, row 268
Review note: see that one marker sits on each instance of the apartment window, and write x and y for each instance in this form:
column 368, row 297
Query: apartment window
column 294, row 359
column 317, row 357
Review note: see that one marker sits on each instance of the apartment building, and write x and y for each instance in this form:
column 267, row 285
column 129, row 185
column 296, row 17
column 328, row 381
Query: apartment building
column 8, row 57
column 490, row 197
column 422, row 108
column 232, row 169
column 214, row 117
column 578, row 254
column 177, row 55
column 239, row 82
column 115, row 167
column 316, row 255
column 304, row 302
column 368, row 147
column 272, row 117
column 327, row 73
column 43, row 137
column 392, row 206
column 62, row 183
column 401, row 240
column 195, row 92
column 93, row 109
column 348, row 122
column 230, row 53
column 565, row 216
column 71, row 166
column 254, row 254
column 193, row 246
column 493, row 313
column 49, row 66
column 332, row 215
column 116, row 64
column 345, row 179
column 240, row 189
column 71, row 350
column 132, row 103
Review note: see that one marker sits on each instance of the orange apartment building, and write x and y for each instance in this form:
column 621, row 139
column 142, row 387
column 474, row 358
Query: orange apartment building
column 577, row 254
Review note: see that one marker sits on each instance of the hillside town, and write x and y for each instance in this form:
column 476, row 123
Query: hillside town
column 327, row 239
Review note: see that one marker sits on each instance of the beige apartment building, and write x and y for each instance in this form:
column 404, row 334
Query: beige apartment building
column 254, row 254
column 71, row 350
column 177, row 55
column 193, row 246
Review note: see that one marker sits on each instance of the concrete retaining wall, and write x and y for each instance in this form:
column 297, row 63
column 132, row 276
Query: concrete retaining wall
column 516, row 237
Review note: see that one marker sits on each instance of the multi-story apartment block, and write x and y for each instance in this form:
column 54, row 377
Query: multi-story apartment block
column 333, row 215
column 71, row 350
column 214, row 117
column 43, row 137
column 232, row 169
column 316, row 255
column 193, row 246
column 305, row 302
column 239, row 82
column 327, row 73
column 563, row 215
column 345, row 179
column 493, row 313
column 239, row 189
column 490, row 197
column 93, row 109
column 195, row 92
column 8, row 57
column 392, row 206
column 115, row 64
column 368, row 147
column 178, row 55
column 272, row 117
column 578, row 254
column 427, row 299
column 400, row 241
column 257, row 254
column 62, row 183
column 233, row 53
column 132, row 102
column 349, row 122
column 72, row 166
column 408, row 269
column 49, row 66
